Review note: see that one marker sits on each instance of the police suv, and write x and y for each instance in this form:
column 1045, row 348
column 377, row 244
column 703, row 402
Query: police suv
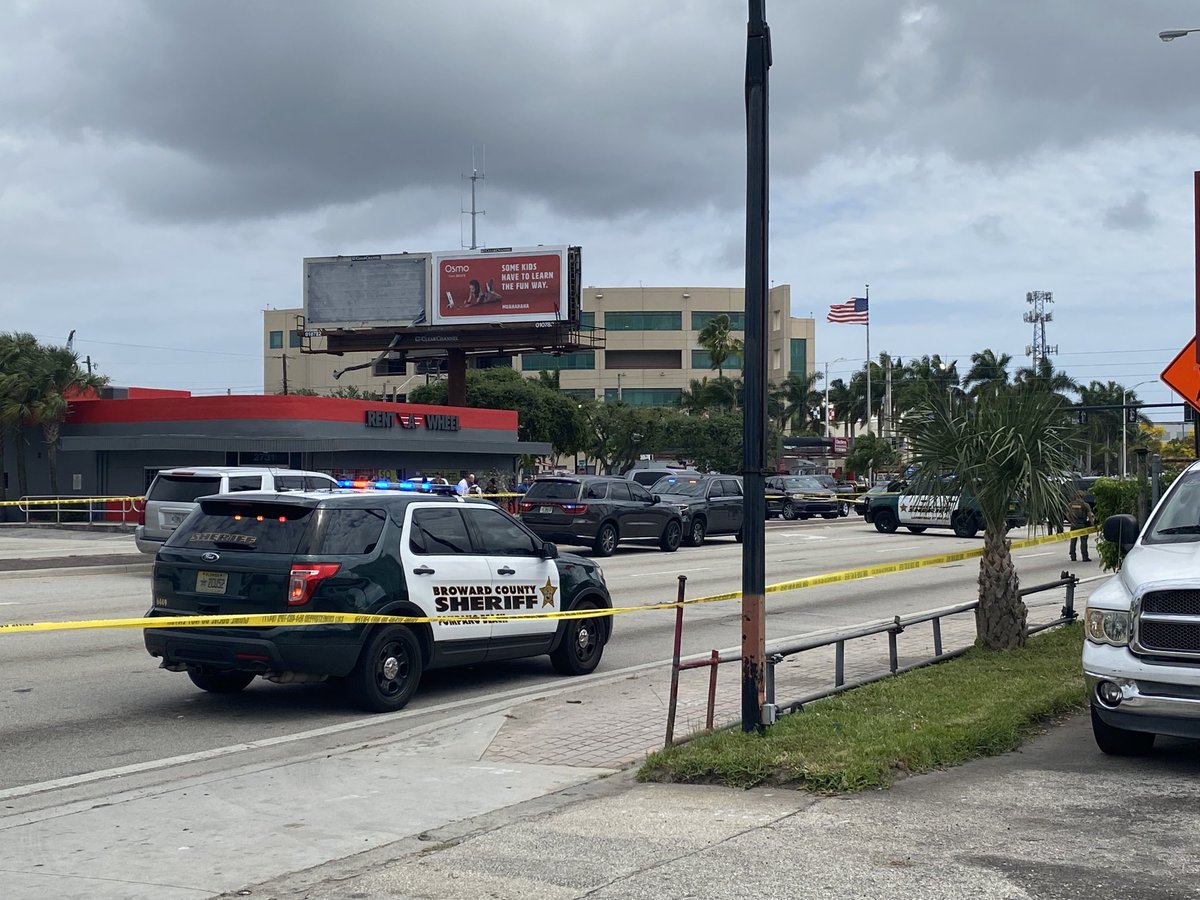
column 917, row 512
column 375, row 552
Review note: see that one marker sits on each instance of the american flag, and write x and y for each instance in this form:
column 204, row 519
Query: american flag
column 852, row 312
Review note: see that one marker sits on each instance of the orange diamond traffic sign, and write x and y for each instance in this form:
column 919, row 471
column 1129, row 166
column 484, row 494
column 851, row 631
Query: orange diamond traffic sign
column 1183, row 375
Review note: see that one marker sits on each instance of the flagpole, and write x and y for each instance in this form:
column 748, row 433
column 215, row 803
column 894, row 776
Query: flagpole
column 867, row 297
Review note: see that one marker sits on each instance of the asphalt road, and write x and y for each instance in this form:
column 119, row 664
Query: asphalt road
column 75, row 702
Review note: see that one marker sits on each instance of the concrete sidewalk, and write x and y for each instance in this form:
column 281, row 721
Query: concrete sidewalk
column 24, row 548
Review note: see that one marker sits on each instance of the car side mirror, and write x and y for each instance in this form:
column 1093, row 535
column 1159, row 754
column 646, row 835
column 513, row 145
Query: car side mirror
column 654, row 498
column 549, row 550
column 1122, row 530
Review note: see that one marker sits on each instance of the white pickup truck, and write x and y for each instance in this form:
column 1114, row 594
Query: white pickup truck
column 1141, row 655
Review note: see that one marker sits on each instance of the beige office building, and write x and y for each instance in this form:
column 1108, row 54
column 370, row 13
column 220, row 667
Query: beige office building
column 650, row 349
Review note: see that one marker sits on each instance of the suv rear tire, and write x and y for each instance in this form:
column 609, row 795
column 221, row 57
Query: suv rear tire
column 671, row 538
column 388, row 670
column 965, row 525
column 606, row 540
column 220, row 682
column 582, row 645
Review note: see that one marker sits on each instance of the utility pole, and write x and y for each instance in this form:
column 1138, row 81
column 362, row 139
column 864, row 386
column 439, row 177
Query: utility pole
column 473, row 177
column 755, row 711
column 89, row 363
column 285, row 379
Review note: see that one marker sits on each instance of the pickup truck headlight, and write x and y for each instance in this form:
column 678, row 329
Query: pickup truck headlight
column 1108, row 626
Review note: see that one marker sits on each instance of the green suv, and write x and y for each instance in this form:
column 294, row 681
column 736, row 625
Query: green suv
column 376, row 553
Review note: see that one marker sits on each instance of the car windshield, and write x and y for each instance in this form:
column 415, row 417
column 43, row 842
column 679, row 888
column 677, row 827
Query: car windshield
column 825, row 480
column 553, row 490
column 803, row 483
column 689, row 487
column 1178, row 519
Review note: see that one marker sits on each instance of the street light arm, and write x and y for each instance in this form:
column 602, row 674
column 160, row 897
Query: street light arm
column 1172, row 33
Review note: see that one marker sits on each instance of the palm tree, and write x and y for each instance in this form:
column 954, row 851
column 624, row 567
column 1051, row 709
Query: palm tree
column 796, row 399
column 717, row 338
column 988, row 373
column 57, row 377
column 1044, row 377
column 18, row 356
column 1013, row 446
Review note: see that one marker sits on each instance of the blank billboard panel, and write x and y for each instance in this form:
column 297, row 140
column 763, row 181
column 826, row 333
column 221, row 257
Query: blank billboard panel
column 366, row 291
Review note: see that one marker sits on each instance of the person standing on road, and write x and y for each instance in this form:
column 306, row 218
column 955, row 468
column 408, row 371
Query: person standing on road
column 468, row 486
column 1080, row 515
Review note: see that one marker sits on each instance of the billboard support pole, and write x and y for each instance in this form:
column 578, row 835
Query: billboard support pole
column 754, row 436
column 456, row 387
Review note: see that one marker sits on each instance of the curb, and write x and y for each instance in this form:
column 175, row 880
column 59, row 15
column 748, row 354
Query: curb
column 56, row 569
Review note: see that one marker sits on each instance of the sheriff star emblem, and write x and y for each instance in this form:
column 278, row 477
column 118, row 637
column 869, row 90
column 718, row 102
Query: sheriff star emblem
column 548, row 591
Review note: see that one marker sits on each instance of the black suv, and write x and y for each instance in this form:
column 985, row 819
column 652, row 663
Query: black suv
column 710, row 504
column 599, row 511
column 375, row 553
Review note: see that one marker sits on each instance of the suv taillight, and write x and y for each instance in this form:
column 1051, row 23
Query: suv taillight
column 575, row 509
column 526, row 506
column 304, row 580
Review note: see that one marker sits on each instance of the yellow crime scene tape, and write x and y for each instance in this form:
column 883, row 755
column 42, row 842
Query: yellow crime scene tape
column 265, row 620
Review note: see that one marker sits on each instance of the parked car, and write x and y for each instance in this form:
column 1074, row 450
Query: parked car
column 373, row 553
column 862, row 500
column 599, row 511
column 800, row 497
column 647, row 477
column 173, row 494
column 709, row 504
column 839, row 487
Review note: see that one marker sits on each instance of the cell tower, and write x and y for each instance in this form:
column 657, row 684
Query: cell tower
column 474, row 177
column 1039, row 316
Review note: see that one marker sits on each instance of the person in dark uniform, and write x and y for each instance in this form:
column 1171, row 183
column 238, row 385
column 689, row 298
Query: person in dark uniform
column 1080, row 515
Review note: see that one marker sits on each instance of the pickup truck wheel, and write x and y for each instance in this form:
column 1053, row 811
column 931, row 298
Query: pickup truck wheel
column 220, row 682
column 885, row 521
column 606, row 540
column 695, row 535
column 789, row 511
column 388, row 670
column 582, row 645
column 916, row 529
column 965, row 524
column 671, row 537
column 1120, row 741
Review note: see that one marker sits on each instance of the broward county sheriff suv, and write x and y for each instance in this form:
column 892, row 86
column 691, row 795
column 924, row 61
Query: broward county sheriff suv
column 377, row 552
column 1142, row 653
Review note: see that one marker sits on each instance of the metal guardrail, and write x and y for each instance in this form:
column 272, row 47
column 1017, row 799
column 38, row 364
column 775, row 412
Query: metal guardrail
column 45, row 509
column 894, row 628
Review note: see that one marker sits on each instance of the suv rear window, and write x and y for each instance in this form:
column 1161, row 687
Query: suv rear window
column 553, row 490
column 183, row 488
column 258, row 527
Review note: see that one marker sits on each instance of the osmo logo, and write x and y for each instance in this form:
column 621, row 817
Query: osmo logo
column 451, row 269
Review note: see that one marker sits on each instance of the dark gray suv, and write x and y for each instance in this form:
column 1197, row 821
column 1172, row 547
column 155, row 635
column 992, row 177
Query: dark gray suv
column 710, row 504
column 599, row 511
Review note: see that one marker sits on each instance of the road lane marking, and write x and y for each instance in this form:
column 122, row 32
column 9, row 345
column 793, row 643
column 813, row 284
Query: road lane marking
column 1031, row 555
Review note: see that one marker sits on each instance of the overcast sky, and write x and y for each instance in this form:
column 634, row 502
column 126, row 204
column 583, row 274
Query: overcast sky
column 168, row 164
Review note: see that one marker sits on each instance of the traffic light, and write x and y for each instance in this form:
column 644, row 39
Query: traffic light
column 1082, row 416
column 1131, row 415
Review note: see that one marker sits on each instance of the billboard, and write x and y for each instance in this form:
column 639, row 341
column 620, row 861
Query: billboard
column 366, row 291
column 500, row 286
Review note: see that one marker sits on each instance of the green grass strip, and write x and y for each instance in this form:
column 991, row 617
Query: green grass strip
column 981, row 704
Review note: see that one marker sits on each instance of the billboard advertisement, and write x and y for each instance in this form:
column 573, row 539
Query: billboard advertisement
column 500, row 286
column 366, row 291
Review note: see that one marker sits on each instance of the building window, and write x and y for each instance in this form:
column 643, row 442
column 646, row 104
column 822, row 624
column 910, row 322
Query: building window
column 643, row 359
column 648, row 396
column 275, row 340
column 799, row 360
column 737, row 320
column 587, row 320
column 294, row 339
column 538, row 362
column 643, row 321
column 702, row 359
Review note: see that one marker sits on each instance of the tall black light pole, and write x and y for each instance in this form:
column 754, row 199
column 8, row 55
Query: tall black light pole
column 754, row 373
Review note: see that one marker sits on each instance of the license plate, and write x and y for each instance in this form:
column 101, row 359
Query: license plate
column 211, row 582
column 545, row 509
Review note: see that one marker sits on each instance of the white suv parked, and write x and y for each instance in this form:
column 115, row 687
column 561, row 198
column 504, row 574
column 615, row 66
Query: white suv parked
column 173, row 493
